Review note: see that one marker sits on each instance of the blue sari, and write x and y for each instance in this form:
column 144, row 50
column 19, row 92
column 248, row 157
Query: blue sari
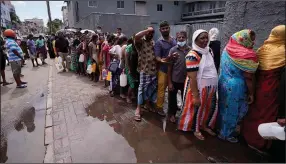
column 232, row 91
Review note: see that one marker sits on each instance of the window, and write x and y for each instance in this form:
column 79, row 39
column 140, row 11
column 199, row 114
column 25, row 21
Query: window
column 221, row 4
column 120, row 4
column 191, row 8
column 176, row 3
column 92, row 3
column 212, row 5
column 159, row 7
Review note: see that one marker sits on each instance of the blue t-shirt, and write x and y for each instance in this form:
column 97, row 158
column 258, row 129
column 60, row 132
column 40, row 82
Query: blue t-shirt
column 162, row 49
column 11, row 46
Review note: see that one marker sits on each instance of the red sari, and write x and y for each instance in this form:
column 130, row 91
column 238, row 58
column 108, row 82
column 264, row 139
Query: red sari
column 264, row 109
column 106, row 58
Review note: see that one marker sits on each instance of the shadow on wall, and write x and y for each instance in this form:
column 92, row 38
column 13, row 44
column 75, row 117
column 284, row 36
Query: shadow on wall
column 259, row 16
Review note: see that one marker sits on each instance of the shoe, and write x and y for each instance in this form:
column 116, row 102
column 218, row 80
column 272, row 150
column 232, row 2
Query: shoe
column 21, row 86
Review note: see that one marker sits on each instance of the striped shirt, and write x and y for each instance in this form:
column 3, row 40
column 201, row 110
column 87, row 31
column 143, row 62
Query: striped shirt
column 11, row 46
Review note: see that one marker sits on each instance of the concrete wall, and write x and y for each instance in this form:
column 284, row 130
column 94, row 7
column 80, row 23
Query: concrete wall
column 71, row 12
column 260, row 17
column 130, row 24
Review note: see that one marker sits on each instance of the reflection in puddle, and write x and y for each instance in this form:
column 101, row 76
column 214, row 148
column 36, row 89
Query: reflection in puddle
column 147, row 138
column 26, row 119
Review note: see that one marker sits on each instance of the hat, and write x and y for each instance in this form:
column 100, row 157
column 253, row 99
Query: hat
column 9, row 33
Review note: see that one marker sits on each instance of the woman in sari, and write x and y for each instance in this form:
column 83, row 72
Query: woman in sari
column 265, row 108
column 199, row 107
column 41, row 48
column 74, row 55
column 83, row 49
column 235, row 88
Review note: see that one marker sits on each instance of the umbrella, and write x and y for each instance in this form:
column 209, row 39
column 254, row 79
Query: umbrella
column 89, row 31
column 71, row 30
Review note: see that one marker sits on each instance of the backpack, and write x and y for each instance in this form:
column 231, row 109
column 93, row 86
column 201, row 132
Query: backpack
column 113, row 67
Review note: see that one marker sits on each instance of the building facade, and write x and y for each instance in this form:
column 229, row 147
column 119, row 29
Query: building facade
column 65, row 16
column 5, row 15
column 78, row 10
column 32, row 26
column 81, row 14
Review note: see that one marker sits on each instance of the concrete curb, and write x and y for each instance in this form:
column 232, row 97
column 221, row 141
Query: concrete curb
column 49, row 136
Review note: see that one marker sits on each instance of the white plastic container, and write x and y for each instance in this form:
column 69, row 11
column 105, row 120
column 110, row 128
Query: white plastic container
column 271, row 131
column 123, row 80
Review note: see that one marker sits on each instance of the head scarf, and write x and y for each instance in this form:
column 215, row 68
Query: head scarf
column 206, row 60
column 203, row 51
column 240, row 50
column 272, row 53
column 213, row 34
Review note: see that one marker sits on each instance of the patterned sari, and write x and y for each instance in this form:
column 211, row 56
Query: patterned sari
column 238, row 57
column 194, row 118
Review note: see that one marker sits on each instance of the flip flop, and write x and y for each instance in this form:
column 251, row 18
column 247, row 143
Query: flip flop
column 209, row 131
column 199, row 136
column 7, row 83
column 21, row 86
column 24, row 82
column 137, row 117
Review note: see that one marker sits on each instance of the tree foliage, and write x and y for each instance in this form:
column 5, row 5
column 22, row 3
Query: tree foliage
column 14, row 18
column 56, row 25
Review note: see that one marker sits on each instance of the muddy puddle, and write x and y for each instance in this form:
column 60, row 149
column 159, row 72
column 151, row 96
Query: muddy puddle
column 113, row 134
column 22, row 132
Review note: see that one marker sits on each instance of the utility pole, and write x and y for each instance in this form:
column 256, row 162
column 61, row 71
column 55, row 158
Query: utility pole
column 50, row 17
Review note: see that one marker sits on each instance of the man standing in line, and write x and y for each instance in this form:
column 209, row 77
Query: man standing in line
column 162, row 48
column 144, row 44
column 15, row 57
column 62, row 47
column 177, row 74
column 32, row 50
column 119, row 33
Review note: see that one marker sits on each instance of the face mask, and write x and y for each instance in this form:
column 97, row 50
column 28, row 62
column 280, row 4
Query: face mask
column 181, row 44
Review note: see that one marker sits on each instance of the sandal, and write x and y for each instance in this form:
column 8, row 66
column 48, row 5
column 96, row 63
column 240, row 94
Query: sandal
column 199, row 136
column 150, row 109
column 161, row 113
column 137, row 117
column 7, row 83
column 129, row 101
column 232, row 140
column 209, row 131
column 172, row 119
column 24, row 83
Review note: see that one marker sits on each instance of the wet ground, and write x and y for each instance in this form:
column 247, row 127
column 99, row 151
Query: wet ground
column 23, row 117
column 113, row 136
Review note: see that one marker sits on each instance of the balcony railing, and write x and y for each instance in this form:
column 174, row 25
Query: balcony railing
column 204, row 12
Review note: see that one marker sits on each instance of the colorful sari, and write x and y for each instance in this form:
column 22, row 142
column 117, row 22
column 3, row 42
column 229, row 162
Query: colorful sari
column 194, row 118
column 237, row 58
column 265, row 108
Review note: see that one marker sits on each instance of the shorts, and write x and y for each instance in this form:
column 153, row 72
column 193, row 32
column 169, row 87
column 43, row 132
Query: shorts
column 16, row 67
column 63, row 55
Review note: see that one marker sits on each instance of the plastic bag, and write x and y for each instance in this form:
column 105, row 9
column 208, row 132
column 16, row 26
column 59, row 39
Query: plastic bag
column 89, row 69
column 59, row 64
column 81, row 58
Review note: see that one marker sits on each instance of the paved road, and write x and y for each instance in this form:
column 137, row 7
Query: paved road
column 23, row 116
column 86, row 125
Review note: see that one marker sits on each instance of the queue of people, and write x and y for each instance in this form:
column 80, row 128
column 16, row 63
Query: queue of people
column 220, row 91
